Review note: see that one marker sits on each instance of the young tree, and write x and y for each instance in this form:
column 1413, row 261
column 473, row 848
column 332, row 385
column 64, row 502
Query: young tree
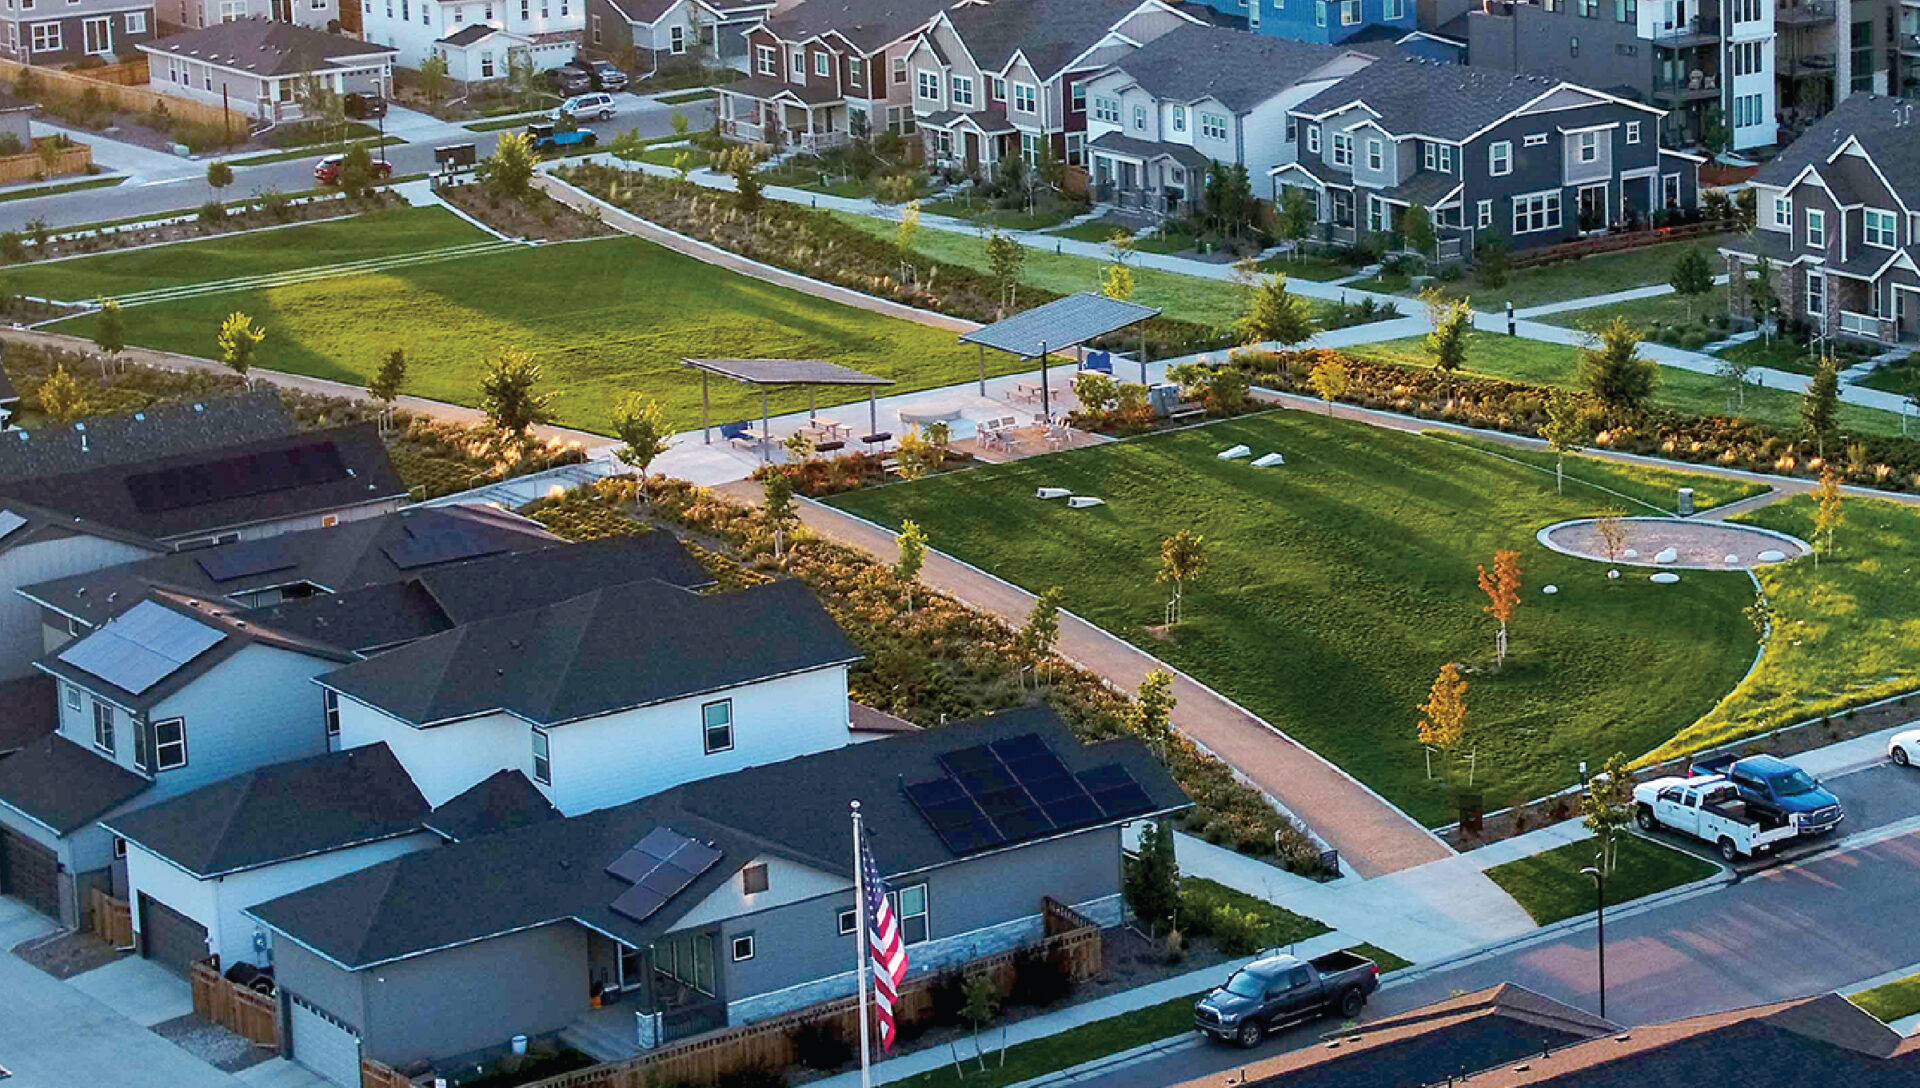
column 1766, row 298
column 904, row 237
column 356, row 171
column 433, row 78
column 1043, row 624
column 1612, row 527
column 1151, row 883
column 1607, row 805
column 1692, row 277
column 1490, row 262
column 1096, row 392
column 1296, row 216
column 61, row 398
column 1566, row 430
column 1117, row 282
column 237, row 340
column 1736, row 368
column 109, row 333
column 1452, row 327
column 1275, row 314
column 511, row 399
column 219, row 176
column 641, row 426
column 1417, row 227
column 1443, row 717
column 387, row 381
column 982, row 1004
column 1502, row 588
column 913, row 556
column 1329, row 379
column 1005, row 256
column 1827, row 499
column 1615, row 372
column 779, row 509
column 1183, row 557
column 1150, row 716
column 320, row 104
column 509, row 170
column 1820, row 405
column 746, row 182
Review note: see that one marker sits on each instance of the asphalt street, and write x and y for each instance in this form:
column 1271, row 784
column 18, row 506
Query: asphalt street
column 1828, row 919
column 141, row 197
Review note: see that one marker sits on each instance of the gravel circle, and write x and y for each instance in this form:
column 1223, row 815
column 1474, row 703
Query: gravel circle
column 1699, row 545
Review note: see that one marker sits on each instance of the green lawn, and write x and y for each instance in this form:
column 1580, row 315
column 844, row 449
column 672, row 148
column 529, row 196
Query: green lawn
column 1284, row 927
column 983, row 214
column 1067, row 1049
column 376, row 234
column 1388, row 961
column 1521, row 360
column 1598, row 275
column 1843, row 634
column 1891, row 1001
column 315, row 149
column 1901, row 377
column 1642, row 313
column 504, row 123
column 1552, row 888
column 1780, row 354
column 1640, row 486
column 685, row 97
column 1308, row 268
column 1339, row 584
column 605, row 318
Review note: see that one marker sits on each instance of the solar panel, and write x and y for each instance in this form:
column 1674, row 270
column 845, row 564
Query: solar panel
column 966, row 838
column 142, row 647
column 1056, row 789
column 1128, row 800
column 963, row 760
column 237, row 477
column 638, row 903
column 1072, row 811
column 447, row 546
column 9, row 521
column 1017, row 789
column 1105, row 777
column 934, row 792
column 1037, row 769
column 659, row 866
column 245, row 560
column 986, row 780
column 1024, row 746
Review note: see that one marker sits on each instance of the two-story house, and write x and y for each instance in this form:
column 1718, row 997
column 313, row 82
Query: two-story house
column 1838, row 218
column 994, row 78
column 673, row 35
column 723, row 901
column 477, row 38
column 1161, row 116
column 1329, row 22
column 62, row 32
column 1525, row 159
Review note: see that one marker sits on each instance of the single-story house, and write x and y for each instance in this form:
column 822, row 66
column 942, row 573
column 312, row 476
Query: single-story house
column 255, row 65
column 478, row 53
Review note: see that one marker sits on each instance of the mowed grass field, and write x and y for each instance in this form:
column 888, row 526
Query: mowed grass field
column 605, row 318
column 1340, row 583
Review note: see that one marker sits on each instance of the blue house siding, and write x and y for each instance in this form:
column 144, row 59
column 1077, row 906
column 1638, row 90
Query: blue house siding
column 1317, row 20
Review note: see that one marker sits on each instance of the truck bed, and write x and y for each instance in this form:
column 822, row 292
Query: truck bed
column 1335, row 963
column 1741, row 812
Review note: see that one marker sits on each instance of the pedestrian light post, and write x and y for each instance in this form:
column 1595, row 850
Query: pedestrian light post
column 1600, row 901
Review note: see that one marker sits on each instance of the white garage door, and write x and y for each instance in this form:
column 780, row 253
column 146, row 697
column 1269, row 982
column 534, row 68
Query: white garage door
column 325, row 1045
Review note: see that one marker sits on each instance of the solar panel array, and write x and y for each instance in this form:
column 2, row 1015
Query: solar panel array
column 1016, row 789
column 142, row 647
column 245, row 560
column 9, row 521
column 659, row 867
column 237, row 477
column 418, row 550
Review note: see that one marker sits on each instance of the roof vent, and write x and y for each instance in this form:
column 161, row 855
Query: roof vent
column 199, row 407
column 1623, row 1037
column 499, row 672
column 1522, row 1067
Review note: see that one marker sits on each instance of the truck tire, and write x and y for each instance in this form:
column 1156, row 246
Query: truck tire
column 1249, row 1034
column 592, row 140
column 1351, row 1002
column 1729, row 853
column 1645, row 818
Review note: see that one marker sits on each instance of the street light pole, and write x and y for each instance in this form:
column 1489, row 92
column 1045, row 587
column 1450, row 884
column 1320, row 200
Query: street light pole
column 1600, row 901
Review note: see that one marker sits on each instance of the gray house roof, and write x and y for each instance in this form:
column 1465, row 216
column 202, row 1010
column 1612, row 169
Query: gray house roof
column 265, row 47
column 152, row 433
column 503, row 801
column 1448, row 101
column 281, row 812
column 868, row 24
column 1051, row 33
column 1238, row 69
column 1885, row 128
column 28, row 711
column 557, row 871
column 62, row 786
column 609, row 650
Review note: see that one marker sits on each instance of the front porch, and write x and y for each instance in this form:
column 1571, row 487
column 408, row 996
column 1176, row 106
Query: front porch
column 761, row 112
column 1161, row 180
column 973, row 143
column 644, row 998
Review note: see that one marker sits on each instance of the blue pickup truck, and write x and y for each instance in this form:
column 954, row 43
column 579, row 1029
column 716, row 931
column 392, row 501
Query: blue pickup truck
column 1771, row 785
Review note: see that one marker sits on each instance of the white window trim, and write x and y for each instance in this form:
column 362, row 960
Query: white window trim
column 1548, row 200
column 822, row 64
column 1031, row 95
column 769, row 62
column 1633, row 132
column 1341, row 151
column 1376, row 154
column 734, row 947
column 1534, row 139
column 1783, row 212
column 1485, row 212
column 1868, row 232
column 957, row 85
column 1816, row 225
column 1313, row 138
column 1179, row 118
column 1213, row 126
column 1500, row 158
column 159, row 761
column 706, row 731
column 541, row 749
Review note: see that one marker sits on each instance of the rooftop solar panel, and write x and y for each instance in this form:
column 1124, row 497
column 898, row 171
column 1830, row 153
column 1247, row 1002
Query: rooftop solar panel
column 1038, row 768
column 1127, row 800
column 986, row 780
column 659, row 866
column 236, row 477
column 245, row 560
column 1017, row 789
column 1106, row 776
column 1056, row 789
column 1024, row 746
column 9, row 521
column 142, row 647
column 1071, row 811
column 662, row 843
column 637, row 903
column 428, row 549
column 966, row 838
column 963, row 760
column 934, row 792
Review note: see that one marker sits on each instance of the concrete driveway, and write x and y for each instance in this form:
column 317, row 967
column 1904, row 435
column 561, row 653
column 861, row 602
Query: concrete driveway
column 54, row 1036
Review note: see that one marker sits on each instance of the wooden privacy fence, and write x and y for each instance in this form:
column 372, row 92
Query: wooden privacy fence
column 74, row 158
column 112, row 919
column 236, row 1008
column 51, row 83
column 126, row 73
column 769, row 1044
column 375, row 1075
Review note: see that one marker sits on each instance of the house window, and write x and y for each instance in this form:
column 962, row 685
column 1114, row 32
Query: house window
column 929, row 85
column 1179, row 118
column 855, row 71
column 486, row 65
column 1633, row 132
column 1446, row 159
column 169, row 744
column 103, row 726
column 1816, row 228
column 1536, row 139
column 996, row 89
column 1030, row 146
column 1881, row 228
column 1024, row 98
column 1430, row 155
column 1293, row 130
column 542, row 759
column 1500, row 158
column 899, row 69
column 1589, row 8
column 1350, row 13
column 743, row 947
column 1106, row 109
column 765, row 53
column 46, row 37
column 1589, row 150
column 1783, row 213
column 459, row 14
column 822, row 64
column 1536, row 212
column 676, row 38
column 1140, row 118
column 1077, row 97
column 1396, row 9
column 753, row 879
column 1213, row 126
column 1485, row 212
column 136, row 22
column 1816, row 293
column 716, row 719
column 911, row 907
column 73, row 696
column 1076, row 149
column 330, row 709
column 1626, row 11
column 1376, row 154
column 1320, row 13
column 119, row 848
column 962, row 91
column 848, row 922
column 1342, row 149
column 797, row 65
column 1313, row 139
column 526, row 14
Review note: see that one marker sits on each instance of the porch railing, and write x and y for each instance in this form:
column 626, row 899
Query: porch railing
column 1866, row 326
column 753, row 132
column 820, row 141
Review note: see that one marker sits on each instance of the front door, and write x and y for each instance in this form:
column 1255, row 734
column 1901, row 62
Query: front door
column 973, row 150
column 1593, row 208
column 1343, row 207
column 99, row 36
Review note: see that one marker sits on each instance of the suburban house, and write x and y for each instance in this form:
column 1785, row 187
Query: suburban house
column 1838, row 217
column 255, row 65
column 477, row 38
column 653, row 36
column 1007, row 77
column 608, row 696
column 178, row 15
column 1162, row 115
column 1527, row 160
column 71, row 31
column 718, row 902
column 825, row 70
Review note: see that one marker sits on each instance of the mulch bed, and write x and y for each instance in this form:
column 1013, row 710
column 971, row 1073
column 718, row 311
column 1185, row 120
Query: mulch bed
column 69, row 954
column 535, row 215
column 252, row 217
column 223, row 1049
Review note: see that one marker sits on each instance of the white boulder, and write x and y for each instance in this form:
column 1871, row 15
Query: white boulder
column 1235, row 453
column 1081, row 502
column 1666, row 555
column 1664, row 578
column 1731, row 559
column 1613, row 576
column 1549, row 590
column 1773, row 555
column 1268, row 460
column 1052, row 493
column 1630, row 553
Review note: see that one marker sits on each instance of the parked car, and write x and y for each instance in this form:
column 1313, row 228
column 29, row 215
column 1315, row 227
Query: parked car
column 327, row 170
column 586, row 107
column 1904, row 748
column 1277, row 990
column 571, row 78
column 606, row 77
column 547, row 139
column 1710, row 809
column 365, row 105
column 1771, row 784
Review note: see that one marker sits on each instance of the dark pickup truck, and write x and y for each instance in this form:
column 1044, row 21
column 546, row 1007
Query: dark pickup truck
column 1277, row 990
column 1772, row 786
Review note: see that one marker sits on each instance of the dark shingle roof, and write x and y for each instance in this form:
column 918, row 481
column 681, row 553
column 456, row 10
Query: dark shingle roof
column 1424, row 188
column 1149, row 150
column 162, row 431
column 469, row 34
column 868, row 24
column 1885, row 128
column 1050, row 33
column 265, row 47
column 557, row 870
column 278, row 813
column 28, row 711
column 612, row 649
column 504, row 801
column 111, row 495
column 1449, row 101
column 1238, row 69
column 61, row 785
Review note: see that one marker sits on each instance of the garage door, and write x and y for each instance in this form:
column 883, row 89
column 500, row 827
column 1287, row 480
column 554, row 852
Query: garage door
column 29, row 872
column 324, row 1044
column 169, row 937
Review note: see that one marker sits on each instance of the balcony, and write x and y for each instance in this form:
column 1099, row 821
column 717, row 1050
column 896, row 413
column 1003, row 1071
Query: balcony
column 1908, row 43
column 1808, row 13
column 1687, row 34
column 1803, row 67
column 1704, row 89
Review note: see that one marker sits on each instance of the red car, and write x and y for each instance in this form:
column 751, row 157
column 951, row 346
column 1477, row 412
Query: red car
column 327, row 170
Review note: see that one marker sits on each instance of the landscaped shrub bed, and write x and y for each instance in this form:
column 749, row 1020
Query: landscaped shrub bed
column 814, row 243
column 938, row 660
column 819, row 477
column 38, row 242
column 535, row 215
column 1888, row 462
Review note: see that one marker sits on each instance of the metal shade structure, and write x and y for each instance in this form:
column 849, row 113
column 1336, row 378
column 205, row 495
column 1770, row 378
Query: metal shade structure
column 772, row 372
column 1057, row 326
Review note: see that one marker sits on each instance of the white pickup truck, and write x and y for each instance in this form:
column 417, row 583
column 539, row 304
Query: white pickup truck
column 1709, row 809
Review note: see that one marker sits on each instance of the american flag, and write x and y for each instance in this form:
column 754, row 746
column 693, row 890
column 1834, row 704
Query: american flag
column 888, row 950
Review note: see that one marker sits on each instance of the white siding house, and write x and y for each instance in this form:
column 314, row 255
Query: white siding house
column 547, row 30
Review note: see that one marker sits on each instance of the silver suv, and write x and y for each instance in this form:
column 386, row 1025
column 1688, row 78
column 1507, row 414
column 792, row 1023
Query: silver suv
column 586, row 107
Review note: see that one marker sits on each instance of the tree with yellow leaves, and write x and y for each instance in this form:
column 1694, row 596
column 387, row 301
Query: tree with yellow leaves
column 1502, row 588
column 1827, row 498
column 1443, row 717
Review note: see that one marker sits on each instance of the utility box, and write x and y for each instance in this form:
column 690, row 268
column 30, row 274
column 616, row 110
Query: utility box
column 1163, row 398
column 1686, row 502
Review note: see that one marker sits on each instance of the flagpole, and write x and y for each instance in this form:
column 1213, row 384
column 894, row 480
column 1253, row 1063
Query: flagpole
column 861, row 954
